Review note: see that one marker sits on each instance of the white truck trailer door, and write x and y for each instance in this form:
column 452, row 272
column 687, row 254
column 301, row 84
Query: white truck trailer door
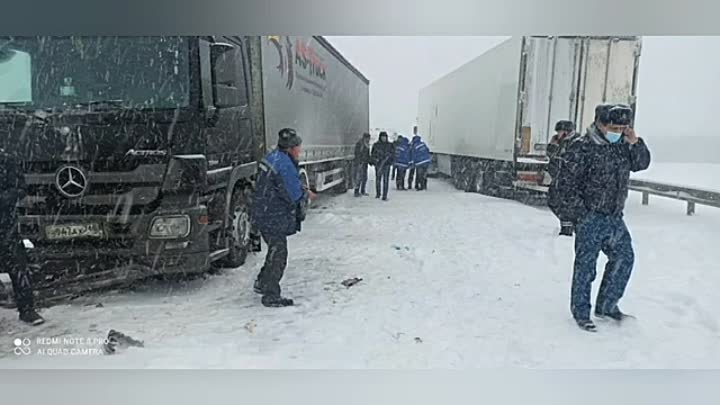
column 608, row 74
column 551, row 87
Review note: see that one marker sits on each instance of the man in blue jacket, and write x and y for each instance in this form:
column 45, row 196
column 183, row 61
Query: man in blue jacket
column 278, row 210
column 421, row 159
column 402, row 161
column 590, row 192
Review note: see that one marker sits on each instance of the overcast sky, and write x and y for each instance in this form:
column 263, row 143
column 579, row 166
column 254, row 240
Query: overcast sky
column 398, row 67
column 678, row 84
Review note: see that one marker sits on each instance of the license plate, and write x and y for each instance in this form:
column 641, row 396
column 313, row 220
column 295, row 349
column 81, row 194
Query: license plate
column 56, row 232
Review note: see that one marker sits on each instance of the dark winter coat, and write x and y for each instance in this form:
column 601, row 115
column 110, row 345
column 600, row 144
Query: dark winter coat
column 402, row 154
column 12, row 189
column 362, row 152
column 555, row 150
column 383, row 154
column 595, row 176
column 279, row 196
column 419, row 153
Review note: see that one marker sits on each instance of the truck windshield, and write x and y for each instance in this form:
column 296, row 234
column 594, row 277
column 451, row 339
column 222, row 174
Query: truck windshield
column 97, row 73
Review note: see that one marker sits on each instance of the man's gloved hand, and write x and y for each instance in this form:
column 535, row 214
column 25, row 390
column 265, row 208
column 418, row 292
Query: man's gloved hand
column 567, row 229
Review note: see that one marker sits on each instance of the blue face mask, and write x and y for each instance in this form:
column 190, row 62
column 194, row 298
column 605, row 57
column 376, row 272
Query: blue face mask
column 613, row 137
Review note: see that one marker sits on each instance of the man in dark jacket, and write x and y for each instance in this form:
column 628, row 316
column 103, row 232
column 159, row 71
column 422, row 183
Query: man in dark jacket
column 590, row 192
column 12, row 249
column 383, row 155
column 362, row 159
column 277, row 212
column 395, row 144
column 565, row 134
column 421, row 159
column 402, row 161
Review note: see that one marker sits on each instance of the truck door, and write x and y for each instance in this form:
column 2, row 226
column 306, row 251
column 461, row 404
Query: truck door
column 229, row 136
column 550, row 89
column 608, row 74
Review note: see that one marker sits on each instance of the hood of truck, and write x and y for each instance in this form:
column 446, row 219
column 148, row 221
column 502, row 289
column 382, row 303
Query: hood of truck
column 104, row 139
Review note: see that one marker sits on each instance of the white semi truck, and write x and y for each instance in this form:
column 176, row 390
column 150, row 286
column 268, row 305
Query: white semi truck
column 488, row 123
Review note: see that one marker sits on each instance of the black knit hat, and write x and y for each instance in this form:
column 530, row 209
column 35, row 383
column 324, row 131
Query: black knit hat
column 366, row 135
column 564, row 125
column 288, row 138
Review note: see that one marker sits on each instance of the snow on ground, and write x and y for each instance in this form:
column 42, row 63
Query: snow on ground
column 450, row 280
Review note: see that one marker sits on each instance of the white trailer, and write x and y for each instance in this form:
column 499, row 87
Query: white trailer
column 489, row 122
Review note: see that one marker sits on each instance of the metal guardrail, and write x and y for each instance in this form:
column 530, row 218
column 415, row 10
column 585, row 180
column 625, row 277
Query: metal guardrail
column 692, row 195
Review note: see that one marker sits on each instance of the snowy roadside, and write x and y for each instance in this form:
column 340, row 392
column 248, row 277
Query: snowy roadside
column 450, row 280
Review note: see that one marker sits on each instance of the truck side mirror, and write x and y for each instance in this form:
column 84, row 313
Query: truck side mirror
column 224, row 60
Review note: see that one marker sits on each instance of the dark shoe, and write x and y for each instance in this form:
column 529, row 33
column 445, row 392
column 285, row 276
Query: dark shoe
column 384, row 198
column 377, row 196
column 357, row 193
column 365, row 194
column 274, row 301
column 586, row 325
column 258, row 287
column 31, row 317
column 616, row 315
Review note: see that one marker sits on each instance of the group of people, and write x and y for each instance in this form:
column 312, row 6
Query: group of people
column 590, row 176
column 399, row 160
column 590, row 181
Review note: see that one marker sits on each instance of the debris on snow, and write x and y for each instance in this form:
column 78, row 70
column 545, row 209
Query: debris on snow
column 418, row 340
column 118, row 340
column 250, row 326
column 351, row 282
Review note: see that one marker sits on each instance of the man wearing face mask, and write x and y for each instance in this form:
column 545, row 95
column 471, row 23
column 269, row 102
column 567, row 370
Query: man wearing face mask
column 591, row 191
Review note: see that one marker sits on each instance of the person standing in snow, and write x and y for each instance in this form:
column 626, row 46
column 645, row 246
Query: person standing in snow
column 12, row 250
column 362, row 159
column 421, row 159
column 395, row 143
column 383, row 154
column 565, row 134
column 402, row 161
column 411, row 169
column 590, row 192
column 278, row 211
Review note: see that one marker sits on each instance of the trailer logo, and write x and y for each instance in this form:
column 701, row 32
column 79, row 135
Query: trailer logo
column 285, row 66
column 300, row 61
column 306, row 57
column 70, row 181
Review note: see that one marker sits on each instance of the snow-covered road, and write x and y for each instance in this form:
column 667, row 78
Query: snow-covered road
column 450, row 280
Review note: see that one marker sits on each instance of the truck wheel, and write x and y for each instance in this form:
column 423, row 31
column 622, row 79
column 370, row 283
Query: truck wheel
column 239, row 232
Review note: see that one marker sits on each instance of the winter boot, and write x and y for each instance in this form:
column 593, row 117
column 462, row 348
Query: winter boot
column 615, row 314
column 31, row 317
column 586, row 324
column 357, row 193
column 276, row 301
column 258, row 287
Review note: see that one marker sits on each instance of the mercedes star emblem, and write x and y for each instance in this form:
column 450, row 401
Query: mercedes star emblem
column 71, row 181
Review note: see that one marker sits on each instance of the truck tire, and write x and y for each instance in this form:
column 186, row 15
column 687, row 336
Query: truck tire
column 238, row 233
column 343, row 187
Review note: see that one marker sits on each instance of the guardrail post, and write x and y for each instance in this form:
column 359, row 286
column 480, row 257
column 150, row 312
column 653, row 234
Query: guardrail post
column 645, row 198
column 690, row 208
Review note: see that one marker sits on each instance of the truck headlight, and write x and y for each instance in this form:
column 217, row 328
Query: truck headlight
column 170, row 227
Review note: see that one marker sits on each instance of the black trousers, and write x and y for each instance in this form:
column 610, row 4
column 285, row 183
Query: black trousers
column 13, row 259
column 411, row 178
column 400, row 178
column 382, row 180
column 394, row 172
column 275, row 263
column 421, row 179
